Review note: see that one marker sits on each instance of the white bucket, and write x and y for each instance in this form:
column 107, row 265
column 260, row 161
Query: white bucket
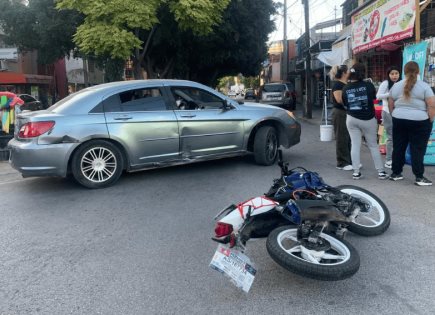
column 326, row 132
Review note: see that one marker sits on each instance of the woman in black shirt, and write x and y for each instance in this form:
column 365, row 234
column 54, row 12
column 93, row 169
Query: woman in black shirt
column 342, row 138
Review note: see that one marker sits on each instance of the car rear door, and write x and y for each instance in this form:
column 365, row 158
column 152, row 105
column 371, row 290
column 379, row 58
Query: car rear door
column 140, row 119
column 205, row 127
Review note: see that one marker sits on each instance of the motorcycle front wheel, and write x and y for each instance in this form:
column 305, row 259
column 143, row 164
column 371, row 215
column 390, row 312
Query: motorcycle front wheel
column 374, row 222
column 338, row 262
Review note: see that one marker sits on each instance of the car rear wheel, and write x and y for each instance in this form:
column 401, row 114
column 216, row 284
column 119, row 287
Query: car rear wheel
column 97, row 164
column 266, row 146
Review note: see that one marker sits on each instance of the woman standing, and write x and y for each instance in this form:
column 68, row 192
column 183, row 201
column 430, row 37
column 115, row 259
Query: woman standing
column 393, row 75
column 412, row 104
column 358, row 97
column 342, row 138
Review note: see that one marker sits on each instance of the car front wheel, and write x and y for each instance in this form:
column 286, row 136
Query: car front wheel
column 97, row 164
column 266, row 146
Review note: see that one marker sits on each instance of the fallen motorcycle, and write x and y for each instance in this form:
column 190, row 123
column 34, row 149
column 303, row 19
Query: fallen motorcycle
column 305, row 221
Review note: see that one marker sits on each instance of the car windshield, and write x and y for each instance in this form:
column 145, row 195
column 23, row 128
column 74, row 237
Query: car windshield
column 274, row 88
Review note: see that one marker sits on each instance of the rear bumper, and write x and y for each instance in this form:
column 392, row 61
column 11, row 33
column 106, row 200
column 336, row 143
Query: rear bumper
column 31, row 159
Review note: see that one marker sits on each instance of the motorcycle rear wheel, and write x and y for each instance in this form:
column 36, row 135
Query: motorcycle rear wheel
column 372, row 223
column 339, row 262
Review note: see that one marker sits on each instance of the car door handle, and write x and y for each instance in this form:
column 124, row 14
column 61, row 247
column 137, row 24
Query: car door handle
column 188, row 116
column 125, row 117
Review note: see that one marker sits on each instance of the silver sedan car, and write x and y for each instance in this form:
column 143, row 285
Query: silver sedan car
column 101, row 131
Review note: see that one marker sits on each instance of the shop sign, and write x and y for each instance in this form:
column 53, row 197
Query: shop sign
column 8, row 53
column 416, row 53
column 384, row 21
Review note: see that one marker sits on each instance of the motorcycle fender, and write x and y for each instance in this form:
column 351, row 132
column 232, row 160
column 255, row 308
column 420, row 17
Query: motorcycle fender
column 313, row 210
column 254, row 207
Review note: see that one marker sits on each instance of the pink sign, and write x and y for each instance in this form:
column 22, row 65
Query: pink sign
column 383, row 21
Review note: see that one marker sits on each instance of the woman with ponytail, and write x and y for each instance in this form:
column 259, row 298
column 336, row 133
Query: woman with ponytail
column 339, row 74
column 412, row 104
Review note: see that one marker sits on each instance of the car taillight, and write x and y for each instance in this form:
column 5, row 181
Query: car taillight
column 35, row 129
column 223, row 229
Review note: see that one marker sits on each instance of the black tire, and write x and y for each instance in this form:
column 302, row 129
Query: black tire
column 383, row 212
column 266, row 146
column 91, row 170
column 323, row 270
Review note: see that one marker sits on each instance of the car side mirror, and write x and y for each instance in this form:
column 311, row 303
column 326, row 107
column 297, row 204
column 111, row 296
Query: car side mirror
column 226, row 106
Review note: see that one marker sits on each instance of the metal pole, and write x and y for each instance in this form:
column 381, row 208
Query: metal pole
column 308, row 113
column 285, row 48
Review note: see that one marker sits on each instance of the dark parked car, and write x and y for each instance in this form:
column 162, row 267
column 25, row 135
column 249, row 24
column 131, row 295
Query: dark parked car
column 30, row 103
column 279, row 94
column 250, row 94
column 97, row 133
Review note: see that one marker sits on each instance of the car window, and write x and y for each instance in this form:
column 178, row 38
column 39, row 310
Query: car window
column 137, row 100
column 188, row 98
column 290, row 86
column 274, row 87
column 27, row 98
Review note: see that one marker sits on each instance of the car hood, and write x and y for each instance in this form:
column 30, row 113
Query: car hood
column 251, row 105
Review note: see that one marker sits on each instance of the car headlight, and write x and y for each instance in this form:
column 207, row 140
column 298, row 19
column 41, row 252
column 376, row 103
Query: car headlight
column 291, row 114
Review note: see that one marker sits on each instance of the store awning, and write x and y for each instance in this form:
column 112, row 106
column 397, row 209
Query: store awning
column 7, row 77
column 12, row 78
column 337, row 56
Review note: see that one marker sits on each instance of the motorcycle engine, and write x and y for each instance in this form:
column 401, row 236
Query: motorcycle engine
column 345, row 203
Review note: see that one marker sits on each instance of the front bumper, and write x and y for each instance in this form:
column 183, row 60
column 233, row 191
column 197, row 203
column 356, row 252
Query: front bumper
column 31, row 159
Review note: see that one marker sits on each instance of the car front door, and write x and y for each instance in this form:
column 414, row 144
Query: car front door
column 205, row 127
column 139, row 118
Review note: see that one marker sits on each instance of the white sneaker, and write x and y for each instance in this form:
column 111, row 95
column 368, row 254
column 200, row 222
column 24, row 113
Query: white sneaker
column 388, row 164
column 347, row 168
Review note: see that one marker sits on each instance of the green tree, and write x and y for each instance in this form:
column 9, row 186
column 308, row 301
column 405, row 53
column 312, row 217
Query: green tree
column 39, row 26
column 125, row 28
column 237, row 44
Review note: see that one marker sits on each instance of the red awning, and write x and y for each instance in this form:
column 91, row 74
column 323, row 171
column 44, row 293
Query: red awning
column 12, row 78
column 20, row 78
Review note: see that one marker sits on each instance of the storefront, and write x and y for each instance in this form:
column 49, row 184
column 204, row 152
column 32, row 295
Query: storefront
column 379, row 31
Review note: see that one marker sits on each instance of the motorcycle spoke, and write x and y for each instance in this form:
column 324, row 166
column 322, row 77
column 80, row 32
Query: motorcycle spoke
column 368, row 219
column 296, row 249
column 309, row 256
column 333, row 257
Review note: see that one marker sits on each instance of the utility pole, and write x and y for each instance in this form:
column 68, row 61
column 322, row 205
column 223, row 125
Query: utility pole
column 285, row 47
column 308, row 112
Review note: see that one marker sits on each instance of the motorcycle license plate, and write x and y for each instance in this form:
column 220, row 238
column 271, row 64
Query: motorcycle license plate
column 235, row 265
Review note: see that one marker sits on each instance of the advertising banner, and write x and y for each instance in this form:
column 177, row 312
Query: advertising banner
column 384, row 21
column 416, row 53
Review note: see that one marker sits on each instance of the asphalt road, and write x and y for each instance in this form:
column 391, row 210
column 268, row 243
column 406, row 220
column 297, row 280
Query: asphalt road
column 143, row 246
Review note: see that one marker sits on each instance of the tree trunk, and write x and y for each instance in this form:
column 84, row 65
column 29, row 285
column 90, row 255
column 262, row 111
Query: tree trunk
column 139, row 56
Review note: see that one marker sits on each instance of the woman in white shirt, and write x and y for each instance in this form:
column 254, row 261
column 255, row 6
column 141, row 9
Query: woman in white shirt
column 393, row 75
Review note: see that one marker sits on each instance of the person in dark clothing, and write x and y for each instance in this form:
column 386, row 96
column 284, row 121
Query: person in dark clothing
column 412, row 105
column 342, row 138
column 358, row 97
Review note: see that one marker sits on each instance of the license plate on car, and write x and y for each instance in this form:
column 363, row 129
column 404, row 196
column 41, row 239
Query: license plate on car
column 235, row 265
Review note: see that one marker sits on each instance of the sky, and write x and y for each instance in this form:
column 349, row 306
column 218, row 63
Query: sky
column 320, row 11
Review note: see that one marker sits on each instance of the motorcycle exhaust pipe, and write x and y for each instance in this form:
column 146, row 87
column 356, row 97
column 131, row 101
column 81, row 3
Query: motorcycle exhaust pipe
column 320, row 210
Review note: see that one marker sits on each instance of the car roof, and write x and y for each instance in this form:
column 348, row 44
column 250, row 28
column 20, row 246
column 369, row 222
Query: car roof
column 91, row 96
